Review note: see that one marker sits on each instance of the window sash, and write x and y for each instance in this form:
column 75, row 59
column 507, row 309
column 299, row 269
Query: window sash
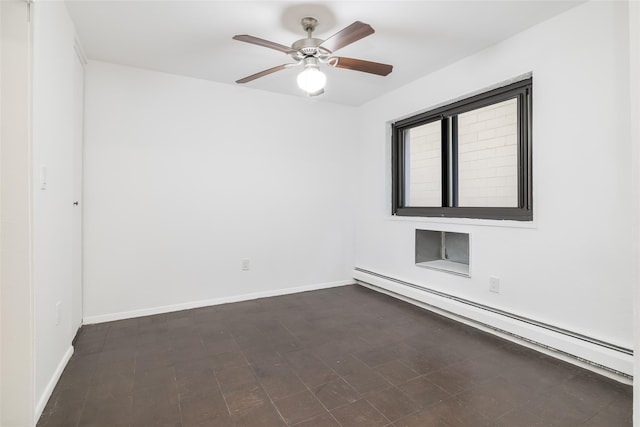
column 447, row 115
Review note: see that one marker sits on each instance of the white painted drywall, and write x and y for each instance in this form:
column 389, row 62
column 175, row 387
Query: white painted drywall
column 16, row 292
column 55, row 133
column 634, row 92
column 572, row 267
column 184, row 178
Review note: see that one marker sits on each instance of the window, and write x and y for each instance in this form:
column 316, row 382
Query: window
column 469, row 159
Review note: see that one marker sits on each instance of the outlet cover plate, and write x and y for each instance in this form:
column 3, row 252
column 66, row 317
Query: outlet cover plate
column 494, row 284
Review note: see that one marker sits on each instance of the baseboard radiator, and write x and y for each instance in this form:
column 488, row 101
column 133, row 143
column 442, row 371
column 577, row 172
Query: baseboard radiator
column 595, row 354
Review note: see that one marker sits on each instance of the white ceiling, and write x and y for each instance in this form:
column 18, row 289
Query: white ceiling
column 193, row 38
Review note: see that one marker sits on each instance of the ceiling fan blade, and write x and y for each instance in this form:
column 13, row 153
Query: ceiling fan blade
column 354, row 32
column 364, row 66
column 263, row 73
column 261, row 42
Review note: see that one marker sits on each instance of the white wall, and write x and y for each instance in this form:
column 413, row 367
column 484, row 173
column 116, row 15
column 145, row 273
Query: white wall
column 572, row 267
column 634, row 92
column 184, row 178
column 54, row 129
column 16, row 292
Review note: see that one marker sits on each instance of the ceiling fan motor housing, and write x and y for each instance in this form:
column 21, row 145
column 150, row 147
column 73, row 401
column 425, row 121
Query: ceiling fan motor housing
column 308, row 46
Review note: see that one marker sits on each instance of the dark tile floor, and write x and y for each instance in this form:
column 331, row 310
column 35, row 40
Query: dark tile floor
column 339, row 357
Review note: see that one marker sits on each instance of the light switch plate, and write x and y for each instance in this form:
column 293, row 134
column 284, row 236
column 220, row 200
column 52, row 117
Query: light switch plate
column 43, row 177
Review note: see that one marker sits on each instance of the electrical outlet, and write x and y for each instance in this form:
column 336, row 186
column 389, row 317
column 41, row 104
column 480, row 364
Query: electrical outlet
column 246, row 264
column 494, row 284
column 58, row 304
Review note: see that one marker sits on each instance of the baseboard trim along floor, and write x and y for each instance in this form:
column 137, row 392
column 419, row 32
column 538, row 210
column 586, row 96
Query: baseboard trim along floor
column 591, row 353
column 46, row 394
column 101, row 318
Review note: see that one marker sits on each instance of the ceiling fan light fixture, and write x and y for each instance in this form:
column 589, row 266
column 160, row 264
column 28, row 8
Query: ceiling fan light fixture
column 311, row 79
column 310, row 52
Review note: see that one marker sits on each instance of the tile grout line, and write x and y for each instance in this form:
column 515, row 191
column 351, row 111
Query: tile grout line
column 362, row 394
column 314, row 395
column 224, row 399
column 260, row 384
column 311, row 391
column 406, row 415
column 349, row 384
column 84, row 400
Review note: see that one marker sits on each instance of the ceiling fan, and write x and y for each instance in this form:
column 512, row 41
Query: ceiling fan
column 310, row 52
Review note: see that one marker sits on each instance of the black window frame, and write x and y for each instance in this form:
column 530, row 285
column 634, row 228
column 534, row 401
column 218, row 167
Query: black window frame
column 448, row 115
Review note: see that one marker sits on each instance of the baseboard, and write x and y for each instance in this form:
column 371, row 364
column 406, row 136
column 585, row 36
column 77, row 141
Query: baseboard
column 205, row 303
column 598, row 356
column 46, row 394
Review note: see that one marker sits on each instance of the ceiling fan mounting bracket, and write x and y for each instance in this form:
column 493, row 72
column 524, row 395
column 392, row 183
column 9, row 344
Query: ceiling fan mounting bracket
column 309, row 23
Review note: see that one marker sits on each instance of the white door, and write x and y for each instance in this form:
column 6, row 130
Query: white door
column 76, row 255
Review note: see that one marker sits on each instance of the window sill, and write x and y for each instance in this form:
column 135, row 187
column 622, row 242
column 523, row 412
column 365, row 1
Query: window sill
column 446, row 266
column 465, row 221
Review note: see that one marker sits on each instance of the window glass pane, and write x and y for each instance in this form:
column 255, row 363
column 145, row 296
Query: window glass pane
column 423, row 165
column 488, row 156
